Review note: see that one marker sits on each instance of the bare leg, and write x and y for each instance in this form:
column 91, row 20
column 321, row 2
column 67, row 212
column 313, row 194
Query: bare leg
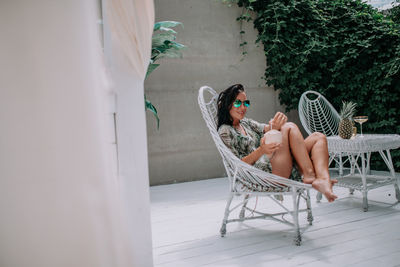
column 281, row 161
column 316, row 166
column 292, row 144
column 317, row 146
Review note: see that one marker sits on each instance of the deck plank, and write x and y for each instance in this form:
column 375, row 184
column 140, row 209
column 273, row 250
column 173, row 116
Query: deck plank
column 186, row 219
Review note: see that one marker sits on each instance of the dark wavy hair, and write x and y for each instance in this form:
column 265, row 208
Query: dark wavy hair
column 225, row 100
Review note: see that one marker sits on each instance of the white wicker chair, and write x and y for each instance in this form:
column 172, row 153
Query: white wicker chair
column 246, row 180
column 318, row 115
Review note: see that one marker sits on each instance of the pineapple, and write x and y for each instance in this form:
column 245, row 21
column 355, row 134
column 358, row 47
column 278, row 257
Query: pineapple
column 346, row 120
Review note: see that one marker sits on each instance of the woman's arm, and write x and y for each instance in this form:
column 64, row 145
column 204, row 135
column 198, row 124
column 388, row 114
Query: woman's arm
column 267, row 149
column 227, row 137
column 253, row 156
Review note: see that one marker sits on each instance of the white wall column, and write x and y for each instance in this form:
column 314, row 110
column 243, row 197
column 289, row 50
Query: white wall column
column 58, row 196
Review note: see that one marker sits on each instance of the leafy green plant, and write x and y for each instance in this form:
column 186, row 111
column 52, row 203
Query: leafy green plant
column 163, row 45
column 394, row 12
column 345, row 49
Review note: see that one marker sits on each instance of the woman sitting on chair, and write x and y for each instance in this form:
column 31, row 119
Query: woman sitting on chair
column 245, row 139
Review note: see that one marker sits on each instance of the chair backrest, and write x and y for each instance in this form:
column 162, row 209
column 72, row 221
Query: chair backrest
column 317, row 114
column 209, row 111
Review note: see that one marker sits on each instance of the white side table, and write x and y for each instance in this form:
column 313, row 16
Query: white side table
column 358, row 150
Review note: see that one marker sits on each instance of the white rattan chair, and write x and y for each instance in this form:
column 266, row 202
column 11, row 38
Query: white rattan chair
column 317, row 114
column 246, row 180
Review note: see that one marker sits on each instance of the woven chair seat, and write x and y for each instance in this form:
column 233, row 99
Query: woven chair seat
column 253, row 187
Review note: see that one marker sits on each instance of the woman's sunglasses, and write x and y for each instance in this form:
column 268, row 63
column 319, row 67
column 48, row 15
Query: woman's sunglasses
column 238, row 103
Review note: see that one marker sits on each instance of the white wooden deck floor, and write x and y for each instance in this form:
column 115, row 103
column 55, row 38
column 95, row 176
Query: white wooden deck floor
column 186, row 219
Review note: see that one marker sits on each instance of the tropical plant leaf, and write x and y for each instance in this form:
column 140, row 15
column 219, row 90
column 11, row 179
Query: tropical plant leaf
column 177, row 45
column 168, row 49
column 164, row 29
column 166, row 24
column 163, row 45
column 152, row 108
column 151, row 68
column 160, row 38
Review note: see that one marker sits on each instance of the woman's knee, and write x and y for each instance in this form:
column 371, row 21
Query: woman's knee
column 289, row 126
column 319, row 136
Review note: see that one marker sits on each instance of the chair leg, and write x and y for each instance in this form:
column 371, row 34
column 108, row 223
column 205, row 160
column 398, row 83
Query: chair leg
column 242, row 212
column 310, row 217
column 226, row 214
column 319, row 197
column 365, row 200
column 396, row 185
column 396, row 188
column 295, row 214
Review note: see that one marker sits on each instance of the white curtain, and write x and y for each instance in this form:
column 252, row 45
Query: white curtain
column 60, row 202
column 128, row 30
column 132, row 23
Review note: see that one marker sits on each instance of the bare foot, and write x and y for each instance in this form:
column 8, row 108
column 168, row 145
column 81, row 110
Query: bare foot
column 308, row 180
column 324, row 186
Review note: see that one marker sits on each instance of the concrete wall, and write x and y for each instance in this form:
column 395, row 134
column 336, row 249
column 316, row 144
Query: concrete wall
column 182, row 149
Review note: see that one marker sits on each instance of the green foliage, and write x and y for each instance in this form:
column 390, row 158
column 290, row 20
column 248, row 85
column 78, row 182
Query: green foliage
column 394, row 13
column 149, row 106
column 345, row 49
column 163, row 45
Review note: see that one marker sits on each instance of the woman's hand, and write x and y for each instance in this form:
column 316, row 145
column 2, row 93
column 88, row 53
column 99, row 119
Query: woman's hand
column 278, row 121
column 269, row 148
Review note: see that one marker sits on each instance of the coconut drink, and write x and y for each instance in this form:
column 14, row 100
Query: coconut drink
column 273, row 136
